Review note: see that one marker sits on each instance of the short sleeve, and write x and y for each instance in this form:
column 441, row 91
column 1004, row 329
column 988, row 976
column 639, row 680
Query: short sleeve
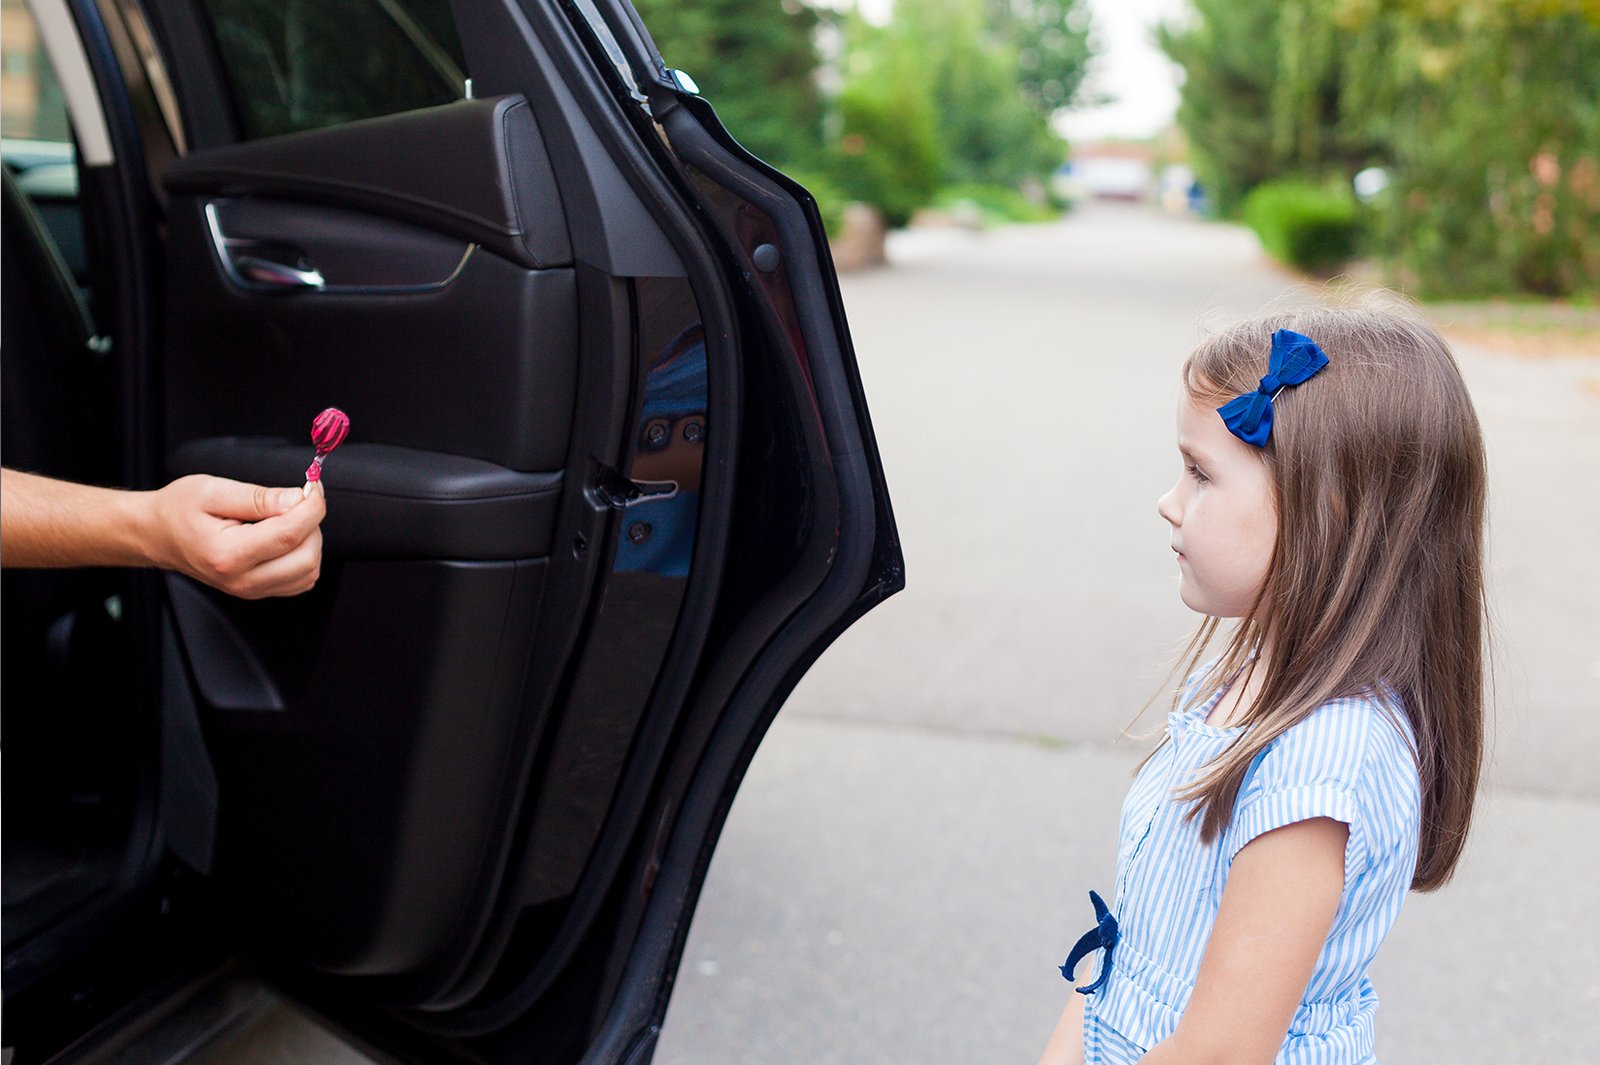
column 1318, row 768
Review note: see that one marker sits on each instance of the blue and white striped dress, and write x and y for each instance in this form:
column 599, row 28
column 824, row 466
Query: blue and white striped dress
column 1349, row 761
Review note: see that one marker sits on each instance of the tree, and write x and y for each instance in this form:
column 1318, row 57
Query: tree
column 1492, row 112
column 1051, row 42
column 950, row 91
column 888, row 149
column 755, row 62
column 1486, row 113
column 988, row 130
column 1264, row 94
column 1229, row 55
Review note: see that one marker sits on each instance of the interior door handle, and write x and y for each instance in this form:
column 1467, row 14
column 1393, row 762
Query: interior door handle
column 278, row 275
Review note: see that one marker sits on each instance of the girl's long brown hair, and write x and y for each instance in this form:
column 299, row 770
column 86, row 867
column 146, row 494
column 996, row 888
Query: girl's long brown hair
column 1376, row 579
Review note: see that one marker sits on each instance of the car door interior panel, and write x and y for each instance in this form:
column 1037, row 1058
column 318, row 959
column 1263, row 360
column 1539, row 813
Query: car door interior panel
column 483, row 367
column 432, row 296
column 347, row 826
column 485, row 176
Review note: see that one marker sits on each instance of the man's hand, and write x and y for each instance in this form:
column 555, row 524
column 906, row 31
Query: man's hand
column 244, row 539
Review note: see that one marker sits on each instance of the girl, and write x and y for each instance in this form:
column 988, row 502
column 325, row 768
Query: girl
column 1332, row 500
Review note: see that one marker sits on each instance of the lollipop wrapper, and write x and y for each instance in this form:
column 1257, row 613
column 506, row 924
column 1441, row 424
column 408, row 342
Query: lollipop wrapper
column 328, row 431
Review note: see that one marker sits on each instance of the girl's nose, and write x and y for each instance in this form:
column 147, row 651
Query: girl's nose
column 1166, row 508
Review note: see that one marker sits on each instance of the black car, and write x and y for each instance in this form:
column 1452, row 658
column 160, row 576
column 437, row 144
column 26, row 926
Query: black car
column 611, row 488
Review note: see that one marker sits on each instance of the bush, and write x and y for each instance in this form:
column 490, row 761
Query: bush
column 830, row 199
column 889, row 150
column 997, row 203
column 1304, row 225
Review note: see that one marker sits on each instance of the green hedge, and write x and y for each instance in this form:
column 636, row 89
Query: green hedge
column 888, row 152
column 1304, row 225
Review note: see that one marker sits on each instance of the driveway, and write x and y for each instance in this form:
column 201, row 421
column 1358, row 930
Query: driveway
column 908, row 859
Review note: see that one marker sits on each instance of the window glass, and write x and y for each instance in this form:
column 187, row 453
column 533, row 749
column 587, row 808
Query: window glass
column 304, row 64
column 35, row 136
column 31, row 104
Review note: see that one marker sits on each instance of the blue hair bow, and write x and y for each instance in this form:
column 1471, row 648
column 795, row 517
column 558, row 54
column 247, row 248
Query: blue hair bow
column 1294, row 359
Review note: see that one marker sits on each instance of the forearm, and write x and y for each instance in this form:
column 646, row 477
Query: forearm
column 1282, row 893
column 1066, row 1042
column 50, row 523
column 1175, row 1051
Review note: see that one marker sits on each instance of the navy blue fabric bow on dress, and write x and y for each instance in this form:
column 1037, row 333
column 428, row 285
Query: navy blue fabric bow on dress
column 1294, row 359
column 1102, row 935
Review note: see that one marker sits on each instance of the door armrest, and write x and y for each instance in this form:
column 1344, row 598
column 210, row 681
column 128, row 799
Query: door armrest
column 398, row 502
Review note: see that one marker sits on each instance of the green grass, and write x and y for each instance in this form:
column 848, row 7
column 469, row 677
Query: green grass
column 997, row 204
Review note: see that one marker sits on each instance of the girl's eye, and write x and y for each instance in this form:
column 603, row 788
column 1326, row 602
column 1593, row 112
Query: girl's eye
column 1194, row 471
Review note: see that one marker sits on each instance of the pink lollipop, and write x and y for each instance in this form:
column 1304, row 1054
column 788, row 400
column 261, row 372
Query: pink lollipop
column 328, row 431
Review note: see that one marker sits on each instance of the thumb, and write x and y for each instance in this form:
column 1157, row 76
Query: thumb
column 250, row 502
column 282, row 499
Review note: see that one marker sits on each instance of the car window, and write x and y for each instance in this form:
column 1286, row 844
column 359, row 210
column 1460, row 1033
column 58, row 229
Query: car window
column 31, row 105
column 36, row 136
column 304, row 64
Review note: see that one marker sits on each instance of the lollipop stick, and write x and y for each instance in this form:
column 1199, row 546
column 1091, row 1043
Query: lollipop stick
column 313, row 473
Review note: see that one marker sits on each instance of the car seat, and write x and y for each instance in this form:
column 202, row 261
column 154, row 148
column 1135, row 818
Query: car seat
column 67, row 731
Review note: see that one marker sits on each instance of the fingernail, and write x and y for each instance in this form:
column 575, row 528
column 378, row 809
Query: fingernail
column 289, row 498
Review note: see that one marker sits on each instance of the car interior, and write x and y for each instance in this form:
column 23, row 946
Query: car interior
column 73, row 794
column 609, row 489
column 476, row 481
column 445, row 320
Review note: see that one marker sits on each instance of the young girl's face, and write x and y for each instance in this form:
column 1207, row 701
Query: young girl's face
column 1222, row 515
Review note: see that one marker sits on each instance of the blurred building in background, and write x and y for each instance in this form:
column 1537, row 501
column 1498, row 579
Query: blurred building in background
column 1108, row 171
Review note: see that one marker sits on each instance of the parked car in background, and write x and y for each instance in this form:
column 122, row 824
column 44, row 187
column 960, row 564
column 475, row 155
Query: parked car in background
column 611, row 488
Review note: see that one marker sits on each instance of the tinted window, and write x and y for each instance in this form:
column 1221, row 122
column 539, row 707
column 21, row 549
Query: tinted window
column 35, row 136
column 303, row 64
column 31, row 105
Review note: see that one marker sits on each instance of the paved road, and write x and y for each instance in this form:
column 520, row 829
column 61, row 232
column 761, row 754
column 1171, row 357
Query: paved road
column 1023, row 385
column 907, row 859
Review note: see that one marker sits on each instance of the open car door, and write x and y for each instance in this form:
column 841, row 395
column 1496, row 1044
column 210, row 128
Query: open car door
column 610, row 489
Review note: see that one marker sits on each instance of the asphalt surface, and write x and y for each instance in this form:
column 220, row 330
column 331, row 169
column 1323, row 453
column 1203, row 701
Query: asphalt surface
column 908, row 858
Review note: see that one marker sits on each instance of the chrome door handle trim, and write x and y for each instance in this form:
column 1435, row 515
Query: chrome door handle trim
column 280, row 281
column 277, row 275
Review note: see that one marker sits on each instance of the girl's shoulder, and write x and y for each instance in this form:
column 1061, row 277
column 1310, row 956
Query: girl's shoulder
column 1350, row 759
column 1368, row 728
column 1349, row 738
column 1359, row 740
